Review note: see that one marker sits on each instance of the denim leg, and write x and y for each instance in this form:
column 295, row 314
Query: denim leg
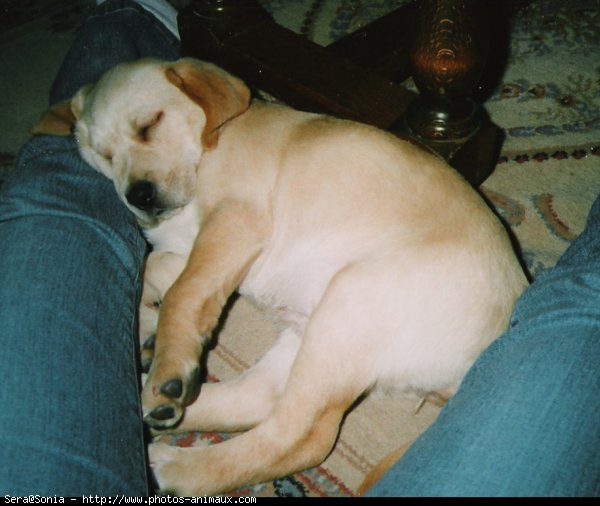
column 118, row 31
column 71, row 258
column 526, row 420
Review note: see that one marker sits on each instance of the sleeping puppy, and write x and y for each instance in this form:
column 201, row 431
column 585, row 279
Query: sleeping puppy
column 390, row 272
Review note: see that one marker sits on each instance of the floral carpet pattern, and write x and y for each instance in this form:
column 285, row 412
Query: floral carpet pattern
column 548, row 175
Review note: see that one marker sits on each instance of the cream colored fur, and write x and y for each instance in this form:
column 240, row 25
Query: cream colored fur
column 391, row 272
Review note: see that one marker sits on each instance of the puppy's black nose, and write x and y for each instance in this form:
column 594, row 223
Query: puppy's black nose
column 142, row 195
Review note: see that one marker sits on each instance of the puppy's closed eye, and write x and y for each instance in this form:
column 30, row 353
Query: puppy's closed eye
column 143, row 132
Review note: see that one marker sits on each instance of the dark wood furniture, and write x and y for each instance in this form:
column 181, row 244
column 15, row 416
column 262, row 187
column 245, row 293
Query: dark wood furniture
column 443, row 44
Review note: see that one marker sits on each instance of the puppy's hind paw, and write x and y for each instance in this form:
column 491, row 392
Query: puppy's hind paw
column 169, row 468
column 147, row 352
column 148, row 321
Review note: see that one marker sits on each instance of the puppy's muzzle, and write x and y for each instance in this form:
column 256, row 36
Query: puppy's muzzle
column 144, row 196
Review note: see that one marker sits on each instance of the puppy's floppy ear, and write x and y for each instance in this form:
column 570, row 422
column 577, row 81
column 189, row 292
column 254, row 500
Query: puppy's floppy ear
column 60, row 119
column 221, row 95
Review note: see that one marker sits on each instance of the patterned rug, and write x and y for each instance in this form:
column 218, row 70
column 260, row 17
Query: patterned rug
column 549, row 107
column 548, row 103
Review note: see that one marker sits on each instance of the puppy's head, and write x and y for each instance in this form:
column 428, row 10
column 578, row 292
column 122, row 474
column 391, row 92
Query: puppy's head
column 146, row 125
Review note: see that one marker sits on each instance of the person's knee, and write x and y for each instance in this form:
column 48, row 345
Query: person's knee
column 123, row 32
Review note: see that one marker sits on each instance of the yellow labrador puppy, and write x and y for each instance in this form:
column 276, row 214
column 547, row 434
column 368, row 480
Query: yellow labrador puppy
column 390, row 271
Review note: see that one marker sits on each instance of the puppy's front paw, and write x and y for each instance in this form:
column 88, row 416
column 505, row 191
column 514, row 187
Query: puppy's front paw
column 148, row 321
column 166, row 393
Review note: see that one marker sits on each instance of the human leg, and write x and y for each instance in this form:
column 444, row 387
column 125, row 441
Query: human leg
column 70, row 265
column 161, row 10
column 525, row 421
column 69, row 282
column 118, row 31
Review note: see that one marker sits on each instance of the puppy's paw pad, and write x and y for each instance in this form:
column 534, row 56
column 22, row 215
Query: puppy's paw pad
column 166, row 394
column 162, row 413
column 184, row 391
column 163, row 416
column 173, row 388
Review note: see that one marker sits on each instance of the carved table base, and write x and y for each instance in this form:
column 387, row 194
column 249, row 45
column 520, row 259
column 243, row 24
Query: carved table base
column 441, row 43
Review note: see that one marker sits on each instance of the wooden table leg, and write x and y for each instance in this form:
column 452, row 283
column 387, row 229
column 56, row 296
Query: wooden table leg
column 447, row 61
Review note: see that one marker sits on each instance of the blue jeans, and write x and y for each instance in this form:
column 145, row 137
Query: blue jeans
column 526, row 420
column 71, row 258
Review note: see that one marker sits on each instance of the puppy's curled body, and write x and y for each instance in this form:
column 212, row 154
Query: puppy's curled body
column 391, row 272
